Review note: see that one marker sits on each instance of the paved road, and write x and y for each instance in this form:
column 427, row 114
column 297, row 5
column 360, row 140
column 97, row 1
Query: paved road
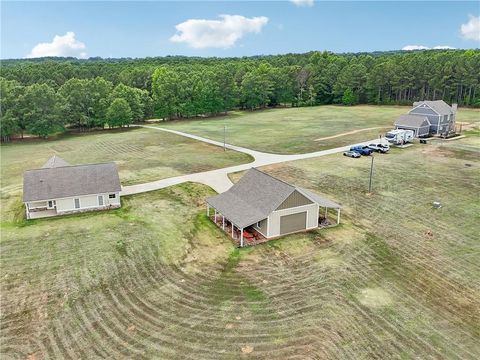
column 218, row 179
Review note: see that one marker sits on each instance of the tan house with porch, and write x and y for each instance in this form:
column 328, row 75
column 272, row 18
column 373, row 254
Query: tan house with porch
column 60, row 188
column 260, row 203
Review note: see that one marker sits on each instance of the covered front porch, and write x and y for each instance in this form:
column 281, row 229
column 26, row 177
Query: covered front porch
column 328, row 216
column 44, row 213
column 241, row 236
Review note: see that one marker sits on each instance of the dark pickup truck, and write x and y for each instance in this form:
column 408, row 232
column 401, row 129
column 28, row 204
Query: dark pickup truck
column 361, row 149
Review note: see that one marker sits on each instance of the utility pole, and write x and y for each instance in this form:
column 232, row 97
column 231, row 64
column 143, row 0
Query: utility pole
column 371, row 175
column 224, row 137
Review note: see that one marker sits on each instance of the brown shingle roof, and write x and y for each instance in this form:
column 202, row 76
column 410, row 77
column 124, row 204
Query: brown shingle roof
column 255, row 196
column 68, row 181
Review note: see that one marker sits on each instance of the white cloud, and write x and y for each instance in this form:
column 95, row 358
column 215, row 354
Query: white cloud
column 414, row 47
column 65, row 45
column 443, row 47
column 308, row 3
column 471, row 29
column 223, row 33
column 421, row 47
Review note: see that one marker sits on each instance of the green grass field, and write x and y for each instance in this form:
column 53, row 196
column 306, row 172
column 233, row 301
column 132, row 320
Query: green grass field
column 297, row 130
column 156, row 279
column 141, row 155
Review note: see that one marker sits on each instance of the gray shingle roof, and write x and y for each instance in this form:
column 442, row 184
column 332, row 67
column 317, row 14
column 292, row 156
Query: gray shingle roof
column 323, row 202
column 68, row 181
column 412, row 121
column 439, row 106
column 255, row 196
column 54, row 162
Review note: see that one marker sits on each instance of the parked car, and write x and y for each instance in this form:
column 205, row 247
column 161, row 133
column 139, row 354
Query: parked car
column 362, row 149
column 379, row 147
column 352, row 154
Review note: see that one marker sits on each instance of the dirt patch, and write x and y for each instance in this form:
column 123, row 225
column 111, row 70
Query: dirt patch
column 247, row 349
column 468, row 126
column 374, row 297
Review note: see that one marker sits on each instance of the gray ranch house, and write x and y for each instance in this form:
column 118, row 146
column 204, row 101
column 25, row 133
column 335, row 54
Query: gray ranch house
column 418, row 123
column 440, row 115
column 60, row 188
column 261, row 204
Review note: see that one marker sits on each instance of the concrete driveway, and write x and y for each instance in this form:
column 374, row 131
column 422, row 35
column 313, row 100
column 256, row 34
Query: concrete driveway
column 218, row 179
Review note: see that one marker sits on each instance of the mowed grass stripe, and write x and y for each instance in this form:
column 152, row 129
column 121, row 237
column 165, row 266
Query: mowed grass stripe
column 141, row 155
column 157, row 279
column 295, row 130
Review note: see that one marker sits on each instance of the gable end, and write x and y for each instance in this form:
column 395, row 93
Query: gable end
column 295, row 199
column 423, row 109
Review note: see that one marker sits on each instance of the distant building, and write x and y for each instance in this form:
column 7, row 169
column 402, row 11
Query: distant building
column 60, row 188
column 269, row 206
column 440, row 115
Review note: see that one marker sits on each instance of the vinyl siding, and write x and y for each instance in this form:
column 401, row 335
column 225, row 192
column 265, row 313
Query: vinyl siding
column 263, row 228
column 294, row 200
column 65, row 204
column 422, row 111
column 109, row 201
column 274, row 218
column 86, row 202
column 423, row 131
column 432, row 116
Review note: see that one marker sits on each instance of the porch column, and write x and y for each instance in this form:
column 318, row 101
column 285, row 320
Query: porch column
column 338, row 216
column 232, row 229
column 215, row 217
column 326, row 213
column 241, row 237
column 223, row 223
column 208, row 210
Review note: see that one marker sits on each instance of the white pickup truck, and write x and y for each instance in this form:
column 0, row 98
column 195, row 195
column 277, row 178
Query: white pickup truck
column 399, row 136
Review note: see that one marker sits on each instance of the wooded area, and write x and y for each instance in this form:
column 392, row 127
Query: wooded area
column 43, row 96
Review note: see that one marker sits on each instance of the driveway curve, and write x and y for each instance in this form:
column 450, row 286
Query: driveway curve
column 218, row 179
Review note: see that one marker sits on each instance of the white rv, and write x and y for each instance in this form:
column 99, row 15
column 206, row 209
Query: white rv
column 399, row 136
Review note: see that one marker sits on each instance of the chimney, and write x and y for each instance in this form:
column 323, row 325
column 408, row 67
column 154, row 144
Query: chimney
column 454, row 108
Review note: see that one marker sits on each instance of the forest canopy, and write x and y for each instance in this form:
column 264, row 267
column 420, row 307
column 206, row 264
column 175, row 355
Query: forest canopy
column 44, row 96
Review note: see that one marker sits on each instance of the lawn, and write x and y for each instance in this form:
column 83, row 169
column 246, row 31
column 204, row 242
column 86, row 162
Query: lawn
column 142, row 155
column 155, row 279
column 300, row 130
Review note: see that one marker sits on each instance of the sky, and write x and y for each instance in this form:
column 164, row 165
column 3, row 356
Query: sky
column 232, row 28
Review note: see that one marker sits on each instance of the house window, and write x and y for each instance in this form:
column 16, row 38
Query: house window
column 51, row 203
column 100, row 200
column 258, row 224
column 77, row 203
column 111, row 196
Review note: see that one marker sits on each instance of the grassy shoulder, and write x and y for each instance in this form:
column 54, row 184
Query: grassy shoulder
column 301, row 130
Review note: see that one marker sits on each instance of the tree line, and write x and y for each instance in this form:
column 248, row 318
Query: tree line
column 42, row 110
column 43, row 96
